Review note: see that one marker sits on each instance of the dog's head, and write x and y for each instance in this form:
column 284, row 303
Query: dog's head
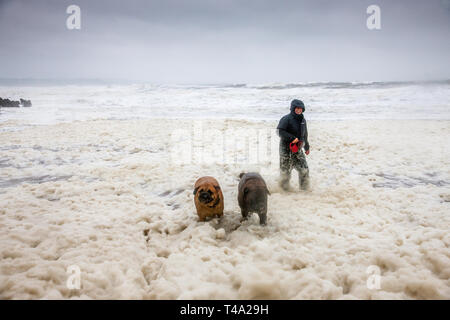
column 208, row 194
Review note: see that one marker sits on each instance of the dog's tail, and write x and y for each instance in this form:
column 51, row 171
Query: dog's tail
column 240, row 176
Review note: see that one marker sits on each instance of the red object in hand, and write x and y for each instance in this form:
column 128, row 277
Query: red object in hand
column 307, row 152
column 295, row 146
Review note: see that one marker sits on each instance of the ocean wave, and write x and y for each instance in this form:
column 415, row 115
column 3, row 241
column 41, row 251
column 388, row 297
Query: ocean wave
column 347, row 85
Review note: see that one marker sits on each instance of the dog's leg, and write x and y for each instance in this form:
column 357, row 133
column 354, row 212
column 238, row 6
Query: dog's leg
column 244, row 215
column 262, row 216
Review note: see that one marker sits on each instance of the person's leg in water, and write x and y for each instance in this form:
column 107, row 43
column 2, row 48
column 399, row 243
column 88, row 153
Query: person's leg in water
column 285, row 169
column 300, row 164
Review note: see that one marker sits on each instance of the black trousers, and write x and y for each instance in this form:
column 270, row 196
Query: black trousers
column 297, row 161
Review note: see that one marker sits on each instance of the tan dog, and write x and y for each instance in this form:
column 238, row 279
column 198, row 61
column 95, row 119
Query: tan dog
column 208, row 198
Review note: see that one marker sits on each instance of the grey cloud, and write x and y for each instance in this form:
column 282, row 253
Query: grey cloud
column 226, row 41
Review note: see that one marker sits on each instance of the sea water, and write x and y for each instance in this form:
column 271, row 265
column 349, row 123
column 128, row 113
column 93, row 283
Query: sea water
column 324, row 101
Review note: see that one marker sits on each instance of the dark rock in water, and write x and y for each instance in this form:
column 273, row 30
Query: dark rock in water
column 25, row 103
column 6, row 103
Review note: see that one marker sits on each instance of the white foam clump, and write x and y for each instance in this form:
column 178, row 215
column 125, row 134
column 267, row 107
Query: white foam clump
column 113, row 203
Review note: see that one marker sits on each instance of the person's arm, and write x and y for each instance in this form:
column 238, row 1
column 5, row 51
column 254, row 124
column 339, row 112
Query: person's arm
column 282, row 130
column 286, row 136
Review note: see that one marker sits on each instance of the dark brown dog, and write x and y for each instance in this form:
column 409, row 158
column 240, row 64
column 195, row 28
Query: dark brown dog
column 252, row 195
column 208, row 198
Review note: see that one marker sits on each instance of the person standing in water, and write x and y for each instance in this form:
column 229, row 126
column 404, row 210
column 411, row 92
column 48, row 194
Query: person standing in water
column 293, row 136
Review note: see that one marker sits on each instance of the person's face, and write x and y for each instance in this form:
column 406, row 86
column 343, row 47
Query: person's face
column 298, row 110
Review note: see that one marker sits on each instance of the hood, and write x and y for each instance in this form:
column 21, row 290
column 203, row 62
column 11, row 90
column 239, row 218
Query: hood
column 297, row 104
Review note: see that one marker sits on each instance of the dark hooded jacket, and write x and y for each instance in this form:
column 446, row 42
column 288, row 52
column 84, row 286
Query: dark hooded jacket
column 293, row 126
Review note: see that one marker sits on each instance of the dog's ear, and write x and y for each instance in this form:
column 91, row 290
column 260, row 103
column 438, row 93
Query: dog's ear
column 195, row 191
column 241, row 174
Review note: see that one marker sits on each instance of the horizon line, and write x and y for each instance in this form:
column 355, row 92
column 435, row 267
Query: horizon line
column 66, row 81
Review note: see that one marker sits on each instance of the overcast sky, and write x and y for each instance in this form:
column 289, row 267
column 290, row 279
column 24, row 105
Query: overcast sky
column 223, row 41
